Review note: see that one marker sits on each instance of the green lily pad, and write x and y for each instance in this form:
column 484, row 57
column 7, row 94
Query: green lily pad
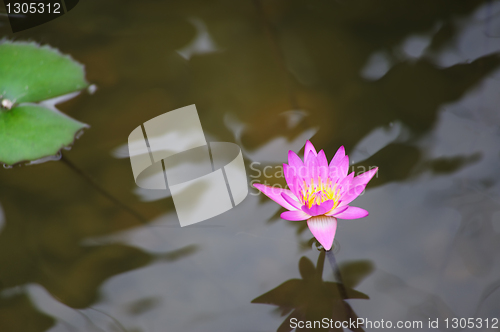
column 32, row 73
column 30, row 132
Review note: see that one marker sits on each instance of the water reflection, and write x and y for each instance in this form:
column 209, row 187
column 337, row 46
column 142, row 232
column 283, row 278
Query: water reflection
column 340, row 71
column 422, row 305
column 19, row 314
column 68, row 265
column 476, row 237
column 313, row 299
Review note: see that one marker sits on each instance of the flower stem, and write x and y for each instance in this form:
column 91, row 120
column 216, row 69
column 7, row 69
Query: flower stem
column 336, row 272
column 342, row 290
column 320, row 264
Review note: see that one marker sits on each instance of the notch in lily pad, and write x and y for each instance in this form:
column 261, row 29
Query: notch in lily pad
column 31, row 77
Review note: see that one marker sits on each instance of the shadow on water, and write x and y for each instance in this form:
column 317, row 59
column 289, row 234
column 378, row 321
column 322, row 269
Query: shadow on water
column 313, row 299
column 56, row 254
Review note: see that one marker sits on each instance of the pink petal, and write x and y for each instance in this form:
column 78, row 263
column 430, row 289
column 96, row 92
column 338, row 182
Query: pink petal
column 309, row 148
column 310, row 161
column 338, row 156
column 346, row 184
column 344, row 166
column 321, row 157
column 294, row 160
column 320, row 209
column 299, row 168
column 357, row 186
column 352, row 212
column 352, row 194
column 293, row 202
column 311, row 171
column 290, row 177
column 365, row 177
column 337, row 210
column 295, row 215
column 323, row 228
column 322, row 165
column 275, row 194
column 298, row 184
column 339, row 170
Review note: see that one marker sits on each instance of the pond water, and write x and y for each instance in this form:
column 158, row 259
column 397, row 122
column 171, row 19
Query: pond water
column 412, row 88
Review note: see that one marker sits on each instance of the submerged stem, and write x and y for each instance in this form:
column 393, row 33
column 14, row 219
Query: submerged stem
column 337, row 274
column 320, row 264
column 102, row 191
column 342, row 290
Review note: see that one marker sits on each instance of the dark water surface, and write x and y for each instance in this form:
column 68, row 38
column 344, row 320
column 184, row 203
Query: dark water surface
column 411, row 87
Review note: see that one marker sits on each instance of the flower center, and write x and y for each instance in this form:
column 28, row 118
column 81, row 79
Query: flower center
column 319, row 192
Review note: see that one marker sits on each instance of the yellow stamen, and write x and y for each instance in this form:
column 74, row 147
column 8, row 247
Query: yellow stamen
column 315, row 194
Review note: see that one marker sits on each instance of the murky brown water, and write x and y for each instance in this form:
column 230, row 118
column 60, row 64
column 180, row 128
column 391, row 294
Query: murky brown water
column 409, row 87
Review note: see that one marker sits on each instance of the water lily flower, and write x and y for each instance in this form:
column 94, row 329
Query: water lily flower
column 319, row 192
